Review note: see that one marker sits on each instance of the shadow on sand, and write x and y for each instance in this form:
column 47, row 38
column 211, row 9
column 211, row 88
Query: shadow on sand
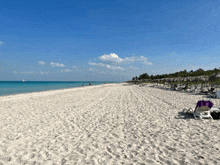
column 182, row 115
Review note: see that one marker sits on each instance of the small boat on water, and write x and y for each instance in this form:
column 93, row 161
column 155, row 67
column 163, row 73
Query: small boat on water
column 24, row 80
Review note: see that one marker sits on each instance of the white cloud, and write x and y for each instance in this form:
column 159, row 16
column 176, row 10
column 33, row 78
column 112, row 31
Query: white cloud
column 56, row 64
column 41, row 62
column 113, row 64
column 114, row 59
column 31, row 72
column 144, row 59
column 92, row 69
column 132, row 67
column 43, row 72
column 66, row 70
column 1, row 43
column 97, row 64
column 107, row 66
column 92, row 63
column 15, row 72
column 114, row 67
column 74, row 66
column 111, row 57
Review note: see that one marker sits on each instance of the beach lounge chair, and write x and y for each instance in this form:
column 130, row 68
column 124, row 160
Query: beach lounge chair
column 188, row 111
column 215, row 113
column 202, row 110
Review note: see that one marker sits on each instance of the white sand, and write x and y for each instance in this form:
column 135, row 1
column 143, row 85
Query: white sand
column 106, row 124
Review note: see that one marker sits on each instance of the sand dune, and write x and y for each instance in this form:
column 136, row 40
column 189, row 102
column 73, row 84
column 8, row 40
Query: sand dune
column 106, row 124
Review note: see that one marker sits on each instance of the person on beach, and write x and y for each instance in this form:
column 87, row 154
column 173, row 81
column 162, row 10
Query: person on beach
column 82, row 85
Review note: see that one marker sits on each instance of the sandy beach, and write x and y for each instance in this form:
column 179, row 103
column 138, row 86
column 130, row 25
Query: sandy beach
column 110, row 124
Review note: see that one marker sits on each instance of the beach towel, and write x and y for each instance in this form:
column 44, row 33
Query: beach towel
column 204, row 103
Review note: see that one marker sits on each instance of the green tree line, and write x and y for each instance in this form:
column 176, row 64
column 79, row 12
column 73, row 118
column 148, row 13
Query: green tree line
column 184, row 73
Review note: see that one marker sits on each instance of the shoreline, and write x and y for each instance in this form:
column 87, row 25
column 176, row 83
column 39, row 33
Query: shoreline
column 53, row 90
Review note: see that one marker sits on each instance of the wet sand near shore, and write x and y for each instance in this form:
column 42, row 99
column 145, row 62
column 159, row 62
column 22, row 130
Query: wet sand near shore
column 106, row 124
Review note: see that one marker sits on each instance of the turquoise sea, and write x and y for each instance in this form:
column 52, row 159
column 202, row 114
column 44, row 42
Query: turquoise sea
column 17, row 87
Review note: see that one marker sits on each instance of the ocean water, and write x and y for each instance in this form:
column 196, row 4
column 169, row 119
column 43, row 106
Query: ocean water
column 17, row 87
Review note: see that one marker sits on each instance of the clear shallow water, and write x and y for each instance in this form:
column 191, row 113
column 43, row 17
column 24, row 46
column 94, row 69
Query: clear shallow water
column 16, row 87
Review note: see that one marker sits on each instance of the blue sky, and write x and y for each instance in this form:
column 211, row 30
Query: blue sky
column 106, row 40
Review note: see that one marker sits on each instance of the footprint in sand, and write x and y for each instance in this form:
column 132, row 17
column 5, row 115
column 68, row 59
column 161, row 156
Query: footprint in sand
column 115, row 135
column 170, row 148
column 129, row 146
column 107, row 156
column 108, row 149
column 6, row 159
